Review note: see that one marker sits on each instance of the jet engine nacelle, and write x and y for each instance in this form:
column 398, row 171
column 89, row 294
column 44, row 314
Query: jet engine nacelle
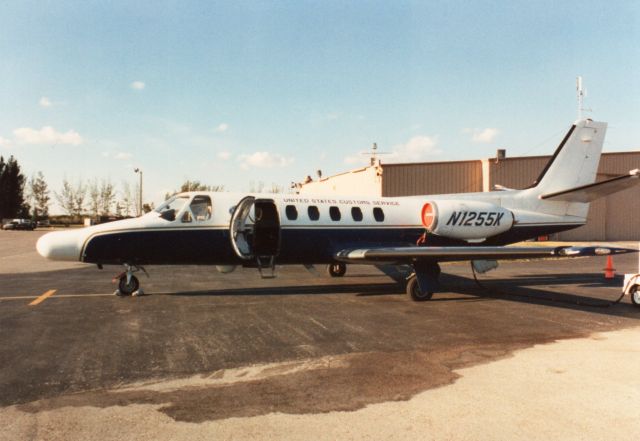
column 467, row 220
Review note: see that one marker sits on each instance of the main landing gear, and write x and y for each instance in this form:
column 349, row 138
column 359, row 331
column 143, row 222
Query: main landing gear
column 128, row 284
column 424, row 281
column 337, row 269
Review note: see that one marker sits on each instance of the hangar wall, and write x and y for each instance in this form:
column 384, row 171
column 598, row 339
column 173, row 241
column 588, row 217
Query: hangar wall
column 366, row 181
column 616, row 217
column 436, row 177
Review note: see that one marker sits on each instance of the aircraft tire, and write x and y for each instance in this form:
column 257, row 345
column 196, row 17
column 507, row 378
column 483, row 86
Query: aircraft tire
column 634, row 293
column 336, row 269
column 413, row 290
column 126, row 289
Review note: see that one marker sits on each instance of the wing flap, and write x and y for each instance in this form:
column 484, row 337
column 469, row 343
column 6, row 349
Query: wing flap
column 443, row 254
column 591, row 192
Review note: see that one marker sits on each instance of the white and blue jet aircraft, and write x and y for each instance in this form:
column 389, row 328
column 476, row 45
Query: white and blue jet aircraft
column 264, row 230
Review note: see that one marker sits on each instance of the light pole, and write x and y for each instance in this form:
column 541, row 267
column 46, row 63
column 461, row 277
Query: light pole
column 137, row 170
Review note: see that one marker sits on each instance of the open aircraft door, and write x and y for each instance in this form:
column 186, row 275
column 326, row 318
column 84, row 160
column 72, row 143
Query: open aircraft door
column 255, row 230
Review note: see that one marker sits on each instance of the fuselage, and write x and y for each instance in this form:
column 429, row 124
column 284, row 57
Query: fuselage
column 202, row 229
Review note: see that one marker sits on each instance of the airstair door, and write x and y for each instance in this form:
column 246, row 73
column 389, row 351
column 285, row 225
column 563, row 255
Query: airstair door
column 241, row 228
column 255, row 229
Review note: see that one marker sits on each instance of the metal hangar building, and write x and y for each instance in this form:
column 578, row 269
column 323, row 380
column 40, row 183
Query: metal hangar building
column 616, row 217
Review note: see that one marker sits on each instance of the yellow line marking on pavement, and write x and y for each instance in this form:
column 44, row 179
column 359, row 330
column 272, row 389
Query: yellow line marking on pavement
column 43, row 297
column 47, row 294
column 59, row 296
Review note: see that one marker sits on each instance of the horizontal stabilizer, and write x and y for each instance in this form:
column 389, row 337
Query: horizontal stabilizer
column 591, row 192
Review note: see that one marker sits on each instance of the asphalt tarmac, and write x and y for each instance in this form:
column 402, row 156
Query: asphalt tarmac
column 324, row 344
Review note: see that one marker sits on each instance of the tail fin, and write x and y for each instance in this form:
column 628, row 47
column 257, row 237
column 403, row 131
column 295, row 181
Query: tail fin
column 575, row 161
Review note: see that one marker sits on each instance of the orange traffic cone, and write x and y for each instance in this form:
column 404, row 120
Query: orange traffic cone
column 609, row 270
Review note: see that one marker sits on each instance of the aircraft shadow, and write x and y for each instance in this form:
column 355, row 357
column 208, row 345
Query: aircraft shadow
column 520, row 289
column 371, row 289
column 523, row 289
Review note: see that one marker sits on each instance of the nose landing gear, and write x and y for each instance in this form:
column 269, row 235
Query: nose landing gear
column 128, row 284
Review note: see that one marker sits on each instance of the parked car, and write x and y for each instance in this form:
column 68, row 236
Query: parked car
column 19, row 224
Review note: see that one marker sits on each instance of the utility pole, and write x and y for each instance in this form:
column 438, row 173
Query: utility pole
column 137, row 170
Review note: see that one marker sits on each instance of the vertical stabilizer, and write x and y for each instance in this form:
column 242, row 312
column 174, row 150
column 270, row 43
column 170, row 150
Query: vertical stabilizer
column 575, row 162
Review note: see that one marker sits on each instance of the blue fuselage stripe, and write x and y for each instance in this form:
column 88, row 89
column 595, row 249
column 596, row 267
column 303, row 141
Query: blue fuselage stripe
column 206, row 246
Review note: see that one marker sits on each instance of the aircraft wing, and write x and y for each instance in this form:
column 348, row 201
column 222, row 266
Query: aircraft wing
column 444, row 254
column 591, row 192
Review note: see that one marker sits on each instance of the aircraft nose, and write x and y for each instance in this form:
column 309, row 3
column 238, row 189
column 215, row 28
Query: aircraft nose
column 60, row 245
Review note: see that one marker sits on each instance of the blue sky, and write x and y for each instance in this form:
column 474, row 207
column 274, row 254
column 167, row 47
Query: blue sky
column 234, row 92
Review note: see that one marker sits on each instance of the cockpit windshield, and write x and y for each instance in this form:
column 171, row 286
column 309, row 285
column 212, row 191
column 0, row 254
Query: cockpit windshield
column 174, row 203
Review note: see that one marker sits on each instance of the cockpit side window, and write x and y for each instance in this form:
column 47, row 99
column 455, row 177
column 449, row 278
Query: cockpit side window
column 174, row 203
column 201, row 207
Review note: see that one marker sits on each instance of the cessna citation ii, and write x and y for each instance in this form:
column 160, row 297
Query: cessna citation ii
column 419, row 232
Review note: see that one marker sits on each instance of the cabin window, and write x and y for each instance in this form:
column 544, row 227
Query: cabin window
column 292, row 212
column 313, row 212
column 201, row 208
column 186, row 217
column 378, row 214
column 334, row 212
column 356, row 214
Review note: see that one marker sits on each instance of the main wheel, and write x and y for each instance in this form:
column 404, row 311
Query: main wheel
column 635, row 295
column 336, row 269
column 413, row 289
column 126, row 289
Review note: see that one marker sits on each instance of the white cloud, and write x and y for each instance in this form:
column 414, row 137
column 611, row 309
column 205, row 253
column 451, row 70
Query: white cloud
column 224, row 155
column 332, row 116
column 45, row 102
column 357, row 160
column 123, row 155
column 46, row 135
column 137, row 85
column 222, row 128
column 263, row 160
column 483, row 136
column 418, row 148
column 4, row 142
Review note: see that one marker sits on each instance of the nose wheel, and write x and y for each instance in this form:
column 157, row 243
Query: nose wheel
column 128, row 284
column 128, row 288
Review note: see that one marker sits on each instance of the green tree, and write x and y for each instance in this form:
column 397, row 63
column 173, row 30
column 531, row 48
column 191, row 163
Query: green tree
column 107, row 197
column 197, row 186
column 126, row 203
column 12, row 183
column 39, row 193
column 194, row 186
column 3, row 192
column 94, row 198
column 71, row 198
